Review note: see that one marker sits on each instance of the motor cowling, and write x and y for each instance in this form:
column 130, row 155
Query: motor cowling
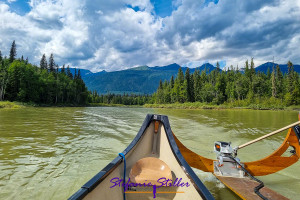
column 223, row 148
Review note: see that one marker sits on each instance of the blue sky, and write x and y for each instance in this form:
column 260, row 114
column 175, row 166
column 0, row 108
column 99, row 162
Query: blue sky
column 119, row 34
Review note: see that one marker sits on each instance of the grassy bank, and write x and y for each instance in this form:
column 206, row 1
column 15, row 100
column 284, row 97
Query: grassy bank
column 233, row 105
column 10, row 105
column 111, row 105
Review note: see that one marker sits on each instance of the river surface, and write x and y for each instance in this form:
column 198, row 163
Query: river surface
column 49, row 153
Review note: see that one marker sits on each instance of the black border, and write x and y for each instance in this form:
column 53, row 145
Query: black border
column 98, row 178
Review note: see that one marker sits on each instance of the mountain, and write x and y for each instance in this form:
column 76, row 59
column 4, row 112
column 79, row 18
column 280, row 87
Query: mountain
column 269, row 65
column 138, row 80
column 83, row 72
column 145, row 80
column 207, row 66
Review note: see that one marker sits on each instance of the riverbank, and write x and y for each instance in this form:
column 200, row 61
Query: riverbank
column 199, row 105
column 10, row 105
column 113, row 105
column 16, row 104
column 186, row 105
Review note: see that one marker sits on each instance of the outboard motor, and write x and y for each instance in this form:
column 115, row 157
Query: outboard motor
column 223, row 151
column 227, row 161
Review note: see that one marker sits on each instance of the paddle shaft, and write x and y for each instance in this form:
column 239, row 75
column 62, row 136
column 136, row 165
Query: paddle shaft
column 268, row 135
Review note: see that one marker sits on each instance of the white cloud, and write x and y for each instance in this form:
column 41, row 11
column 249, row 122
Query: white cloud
column 11, row 1
column 110, row 35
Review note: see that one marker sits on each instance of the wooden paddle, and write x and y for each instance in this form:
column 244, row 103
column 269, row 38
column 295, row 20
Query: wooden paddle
column 268, row 135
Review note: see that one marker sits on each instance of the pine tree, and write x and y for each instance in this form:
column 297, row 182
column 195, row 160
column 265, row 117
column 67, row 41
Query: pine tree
column 290, row 76
column 172, row 82
column 0, row 56
column 180, row 76
column 13, row 52
column 26, row 61
column 160, row 87
column 197, row 85
column 75, row 74
column 279, row 81
column 252, row 70
column 22, row 58
column 268, row 73
column 247, row 71
column 218, row 66
column 79, row 75
column 187, row 84
column 43, row 62
column 51, row 63
column 69, row 74
column 63, row 70
column 273, row 80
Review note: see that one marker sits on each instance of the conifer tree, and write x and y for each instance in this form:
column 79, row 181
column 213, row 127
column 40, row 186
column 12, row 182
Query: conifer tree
column 279, row 81
column 197, row 85
column 63, row 69
column 69, row 74
column 172, row 82
column 160, row 87
column 180, row 76
column 247, row 70
column 290, row 76
column 26, row 61
column 43, row 62
column 273, row 80
column 79, row 75
column 13, row 52
column 75, row 74
column 252, row 70
column 268, row 73
column 188, row 86
column 51, row 63
column 218, row 66
column 0, row 56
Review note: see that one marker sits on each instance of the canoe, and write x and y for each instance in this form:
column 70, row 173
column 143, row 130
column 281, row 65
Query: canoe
column 154, row 168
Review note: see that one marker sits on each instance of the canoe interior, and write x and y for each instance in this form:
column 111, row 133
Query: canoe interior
column 165, row 149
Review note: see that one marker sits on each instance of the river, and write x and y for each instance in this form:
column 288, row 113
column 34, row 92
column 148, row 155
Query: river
column 49, row 153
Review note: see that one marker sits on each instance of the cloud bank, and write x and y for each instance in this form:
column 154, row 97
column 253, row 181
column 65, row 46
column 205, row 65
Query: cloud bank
column 118, row 34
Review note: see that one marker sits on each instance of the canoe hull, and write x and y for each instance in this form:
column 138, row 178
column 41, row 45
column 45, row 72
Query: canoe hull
column 147, row 143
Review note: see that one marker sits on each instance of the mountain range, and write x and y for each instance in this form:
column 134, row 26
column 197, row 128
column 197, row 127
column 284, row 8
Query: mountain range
column 145, row 80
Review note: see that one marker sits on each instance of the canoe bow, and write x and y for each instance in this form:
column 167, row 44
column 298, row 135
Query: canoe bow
column 268, row 165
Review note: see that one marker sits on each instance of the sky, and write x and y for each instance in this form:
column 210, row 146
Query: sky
column 119, row 34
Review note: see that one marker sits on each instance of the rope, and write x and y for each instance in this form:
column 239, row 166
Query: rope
column 257, row 188
column 124, row 175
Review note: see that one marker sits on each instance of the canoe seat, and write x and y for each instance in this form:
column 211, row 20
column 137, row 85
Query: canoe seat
column 149, row 169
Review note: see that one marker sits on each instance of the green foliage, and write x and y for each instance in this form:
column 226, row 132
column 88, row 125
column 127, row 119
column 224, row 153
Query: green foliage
column 13, row 52
column 117, row 99
column 24, row 82
column 51, row 63
column 8, row 104
column 43, row 62
column 252, row 89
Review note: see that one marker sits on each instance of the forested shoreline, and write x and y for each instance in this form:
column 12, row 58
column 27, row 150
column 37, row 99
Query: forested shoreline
column 220, row 89
column 232, row 87
column 49, row 85
column 43, row 85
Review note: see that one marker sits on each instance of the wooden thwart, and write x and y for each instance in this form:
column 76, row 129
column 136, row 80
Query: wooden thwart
column 244, row 188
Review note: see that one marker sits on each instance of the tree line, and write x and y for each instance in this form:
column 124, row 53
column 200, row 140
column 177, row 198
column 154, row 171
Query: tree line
column 125, row 99
column 51, row 85
column 232, row 85
column 46, row 84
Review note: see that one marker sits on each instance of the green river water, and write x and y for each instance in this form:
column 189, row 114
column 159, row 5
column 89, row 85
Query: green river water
column 49, row 153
